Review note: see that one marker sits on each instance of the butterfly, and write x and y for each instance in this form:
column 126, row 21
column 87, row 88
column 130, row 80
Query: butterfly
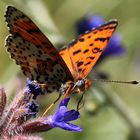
column 65, row 70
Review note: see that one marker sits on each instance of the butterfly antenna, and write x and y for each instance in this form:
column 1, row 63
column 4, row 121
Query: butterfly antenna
column 117, row 81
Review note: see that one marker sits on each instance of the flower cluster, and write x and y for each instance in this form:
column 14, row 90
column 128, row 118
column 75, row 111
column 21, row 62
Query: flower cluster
column 34, row 89
column 19, row 122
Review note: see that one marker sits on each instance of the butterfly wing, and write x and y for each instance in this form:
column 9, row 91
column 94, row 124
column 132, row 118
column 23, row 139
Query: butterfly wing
column 31, row 49
column 82, row 53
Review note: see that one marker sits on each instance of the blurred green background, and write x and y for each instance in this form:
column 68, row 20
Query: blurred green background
column 111, row 111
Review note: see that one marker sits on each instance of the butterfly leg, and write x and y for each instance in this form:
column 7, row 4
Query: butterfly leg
column 68, row 91
column 51, row 105
column 82, row 100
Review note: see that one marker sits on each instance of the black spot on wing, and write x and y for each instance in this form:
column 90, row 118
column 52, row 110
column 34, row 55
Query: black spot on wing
column 102, row 39
column 87, row 63
column 91, row 44
column 80, row 63
column 76, row 52
column 91, row 57
column 96, row 50
column 89, row 36
column 81, row 39
column 85, row 51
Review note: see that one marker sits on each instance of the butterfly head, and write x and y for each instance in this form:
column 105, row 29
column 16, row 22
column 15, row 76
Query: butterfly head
column 81, row 85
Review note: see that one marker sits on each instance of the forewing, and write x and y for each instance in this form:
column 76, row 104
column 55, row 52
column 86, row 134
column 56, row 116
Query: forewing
column 31, row 49
column 87, row 48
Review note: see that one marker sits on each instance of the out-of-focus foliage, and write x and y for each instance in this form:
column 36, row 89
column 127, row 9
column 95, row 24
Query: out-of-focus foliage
column 57, row 20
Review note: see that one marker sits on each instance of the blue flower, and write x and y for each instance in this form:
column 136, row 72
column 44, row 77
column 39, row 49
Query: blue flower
column 114, row 47
column 88, row 22
column 33, row 88
column 33, row 108
column 63, row 116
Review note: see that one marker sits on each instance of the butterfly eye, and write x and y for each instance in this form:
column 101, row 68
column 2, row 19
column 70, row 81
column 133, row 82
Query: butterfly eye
column 80, row 83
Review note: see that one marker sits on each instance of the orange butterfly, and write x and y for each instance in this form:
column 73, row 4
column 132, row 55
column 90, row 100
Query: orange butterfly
column 64, row 71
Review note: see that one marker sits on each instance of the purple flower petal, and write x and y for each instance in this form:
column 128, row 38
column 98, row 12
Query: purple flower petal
column 33, row 88
column 63, row 116
column 114, row 47
column 59, row 115
column 68, row 126
column 71, row 115
column 88, row 22
column 32, row 108
column 64, row 102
